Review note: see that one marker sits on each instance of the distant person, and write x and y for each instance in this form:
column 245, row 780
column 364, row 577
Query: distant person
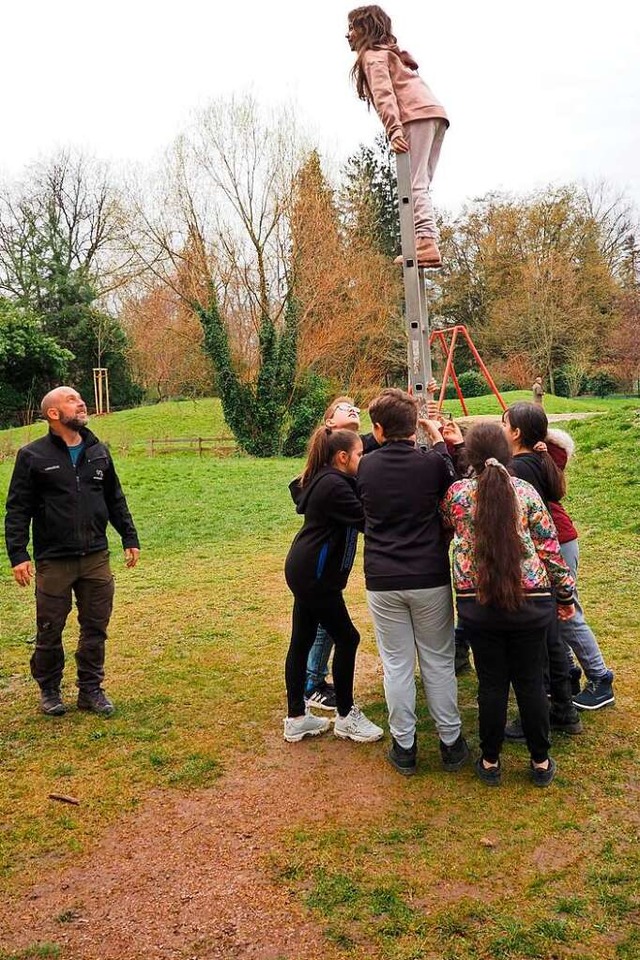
column 66, row 486
column 537, row 391
column 505, row 558
column 316, row 569
column 408, row 580
column 414, row 120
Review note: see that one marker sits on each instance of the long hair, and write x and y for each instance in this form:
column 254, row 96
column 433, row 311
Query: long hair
column 533, row 424
column 323, row 446
column 373, row 28
column 498, row 548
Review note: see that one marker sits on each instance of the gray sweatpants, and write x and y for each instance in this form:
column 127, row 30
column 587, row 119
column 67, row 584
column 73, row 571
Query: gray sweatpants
column 425, row 140
column 410, row 622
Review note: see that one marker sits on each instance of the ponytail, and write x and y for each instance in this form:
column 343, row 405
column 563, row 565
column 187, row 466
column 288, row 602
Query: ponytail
column 498, row 549
column 324, row 444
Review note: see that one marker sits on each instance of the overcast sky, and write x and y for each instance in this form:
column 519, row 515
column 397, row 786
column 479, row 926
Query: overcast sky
column 536, row 92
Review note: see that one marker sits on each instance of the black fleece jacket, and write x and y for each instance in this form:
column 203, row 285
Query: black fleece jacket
column 69, row 506
column 323, row 551
column 405, row 545
column 529, row 467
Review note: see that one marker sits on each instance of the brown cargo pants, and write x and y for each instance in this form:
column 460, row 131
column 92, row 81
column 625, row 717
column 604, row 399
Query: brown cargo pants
column 91, row 580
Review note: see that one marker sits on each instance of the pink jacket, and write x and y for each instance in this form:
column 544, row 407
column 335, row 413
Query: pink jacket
column 398, row 93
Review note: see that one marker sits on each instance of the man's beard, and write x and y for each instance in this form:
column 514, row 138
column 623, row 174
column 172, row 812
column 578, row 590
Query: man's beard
column 73, row 423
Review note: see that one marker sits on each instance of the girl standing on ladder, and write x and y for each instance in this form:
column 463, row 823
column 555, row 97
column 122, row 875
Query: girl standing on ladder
column 414, row 120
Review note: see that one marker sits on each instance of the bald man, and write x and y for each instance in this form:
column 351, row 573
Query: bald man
column 65, row 486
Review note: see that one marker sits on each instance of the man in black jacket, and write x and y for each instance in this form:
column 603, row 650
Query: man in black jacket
column 65, row 486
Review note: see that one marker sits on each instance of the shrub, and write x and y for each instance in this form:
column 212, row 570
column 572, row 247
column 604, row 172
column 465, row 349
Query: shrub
column 603, row 383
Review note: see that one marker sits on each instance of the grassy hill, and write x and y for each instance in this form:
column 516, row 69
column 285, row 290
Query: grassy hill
column 195, row 662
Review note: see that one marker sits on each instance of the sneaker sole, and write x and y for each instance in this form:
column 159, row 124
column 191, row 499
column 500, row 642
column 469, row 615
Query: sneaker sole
column 319, row 706
column 454, row 767
column 56, row 712
column 356, row 738
column 98, row 713
column 597, row 706
column 297, row 737
column 405, row 771
column 572, row 730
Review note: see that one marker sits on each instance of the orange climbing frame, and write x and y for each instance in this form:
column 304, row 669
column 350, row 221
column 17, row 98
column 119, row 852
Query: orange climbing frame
column 448, row 339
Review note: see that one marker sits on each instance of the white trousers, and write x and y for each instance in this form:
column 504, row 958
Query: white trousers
column 425, row 140
column 410, row 623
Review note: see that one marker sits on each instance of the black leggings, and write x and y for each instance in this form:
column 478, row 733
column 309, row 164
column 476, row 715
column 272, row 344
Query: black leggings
column 510, row 648
column 325, row 607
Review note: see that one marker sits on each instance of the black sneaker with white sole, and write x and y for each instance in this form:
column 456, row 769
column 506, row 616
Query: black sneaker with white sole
column 322, row 698
column 596, row 694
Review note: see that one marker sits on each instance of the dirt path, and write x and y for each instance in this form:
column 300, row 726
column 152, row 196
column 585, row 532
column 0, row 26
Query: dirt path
column 189, row 876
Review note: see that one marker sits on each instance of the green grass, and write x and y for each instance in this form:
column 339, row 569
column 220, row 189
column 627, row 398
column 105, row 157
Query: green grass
column 489, row 404
column 195, row 665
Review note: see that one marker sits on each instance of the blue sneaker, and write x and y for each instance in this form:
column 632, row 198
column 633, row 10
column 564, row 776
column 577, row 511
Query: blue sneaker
column 596, row 694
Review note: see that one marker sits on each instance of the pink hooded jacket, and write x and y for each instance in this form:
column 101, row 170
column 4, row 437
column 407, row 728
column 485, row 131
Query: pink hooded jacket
column 398, row 93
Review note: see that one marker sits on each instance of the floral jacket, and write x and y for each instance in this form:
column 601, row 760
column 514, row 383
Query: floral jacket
column 542, row 563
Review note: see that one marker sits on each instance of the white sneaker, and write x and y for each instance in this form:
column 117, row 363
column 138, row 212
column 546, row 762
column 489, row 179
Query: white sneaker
column 295, row 728
column 355, row 726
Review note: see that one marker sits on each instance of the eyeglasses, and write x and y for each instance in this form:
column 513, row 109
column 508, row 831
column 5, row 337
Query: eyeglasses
column 347, row 407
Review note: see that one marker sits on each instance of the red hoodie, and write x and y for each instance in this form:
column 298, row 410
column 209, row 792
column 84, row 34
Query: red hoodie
column 562, row 520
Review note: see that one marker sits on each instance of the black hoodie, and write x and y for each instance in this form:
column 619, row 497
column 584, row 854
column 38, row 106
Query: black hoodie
column 529, row 467
column 324, row 549
column 405, row 545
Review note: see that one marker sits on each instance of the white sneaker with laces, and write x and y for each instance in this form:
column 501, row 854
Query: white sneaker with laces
column 355, row 726
column 308, row 725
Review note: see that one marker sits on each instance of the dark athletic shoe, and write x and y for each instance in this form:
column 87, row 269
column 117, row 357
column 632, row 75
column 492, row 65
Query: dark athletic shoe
column 566, row 721
column 455, row 755
column 541, row 777
column 322, row 698
column 492, row 776
column 596, row 694
column 403, row 758
column 95, row 701
column 514, row 732
column 51, row 702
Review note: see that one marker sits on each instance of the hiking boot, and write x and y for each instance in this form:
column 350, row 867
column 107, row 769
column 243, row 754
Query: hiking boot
column 403, row 758
column 492, row 776
column 51, row 702
column 565, row 721
column 355, row 726
column 295, row 728
column 322, row 697
column 95, row 701
column 575, row 674
column 542, row 777
column 514, row 732
column 454, row 755
column 597, row 693
column 427, row 252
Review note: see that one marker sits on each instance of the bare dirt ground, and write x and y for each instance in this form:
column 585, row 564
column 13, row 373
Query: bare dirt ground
column 190, row 876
